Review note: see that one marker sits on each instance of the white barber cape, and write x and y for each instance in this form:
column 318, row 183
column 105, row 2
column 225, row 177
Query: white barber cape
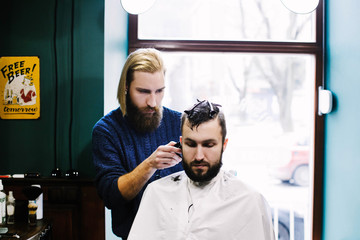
column 176, row 208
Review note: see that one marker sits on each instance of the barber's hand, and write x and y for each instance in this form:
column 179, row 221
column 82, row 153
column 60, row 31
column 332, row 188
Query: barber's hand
column 165, row 156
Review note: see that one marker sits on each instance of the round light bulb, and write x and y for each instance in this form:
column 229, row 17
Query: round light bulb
column 137, row 6
column 301, row 6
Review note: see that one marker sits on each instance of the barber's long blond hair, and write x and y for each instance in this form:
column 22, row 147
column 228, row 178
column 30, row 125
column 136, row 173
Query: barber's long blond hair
column 143, row 60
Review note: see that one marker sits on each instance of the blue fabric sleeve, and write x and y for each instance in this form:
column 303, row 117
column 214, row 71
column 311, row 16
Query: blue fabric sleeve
column 108, row 168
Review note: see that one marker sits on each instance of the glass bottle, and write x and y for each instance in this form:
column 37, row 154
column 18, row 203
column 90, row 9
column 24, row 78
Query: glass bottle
column 32, row 212
column 2, row 205
column 10, row 208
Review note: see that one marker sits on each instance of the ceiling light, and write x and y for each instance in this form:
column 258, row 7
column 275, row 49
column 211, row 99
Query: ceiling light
column 137, row 6
column 301, row 6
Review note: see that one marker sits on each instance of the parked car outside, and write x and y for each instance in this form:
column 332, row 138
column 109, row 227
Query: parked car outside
column 296, row 171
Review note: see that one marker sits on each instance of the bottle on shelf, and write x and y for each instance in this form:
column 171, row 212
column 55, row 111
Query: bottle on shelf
column 32, row 212
column 2, row 204
column 10, row 208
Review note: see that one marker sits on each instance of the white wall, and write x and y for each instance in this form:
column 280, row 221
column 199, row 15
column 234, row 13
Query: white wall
column 116, row 24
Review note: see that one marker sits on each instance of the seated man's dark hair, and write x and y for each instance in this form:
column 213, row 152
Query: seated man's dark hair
column 201, row 112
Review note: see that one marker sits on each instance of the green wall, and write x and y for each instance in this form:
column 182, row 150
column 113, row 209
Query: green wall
column 342, row 131
column 71, row 51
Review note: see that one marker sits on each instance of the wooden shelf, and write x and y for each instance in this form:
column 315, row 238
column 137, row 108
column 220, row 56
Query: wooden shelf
column 71, row 205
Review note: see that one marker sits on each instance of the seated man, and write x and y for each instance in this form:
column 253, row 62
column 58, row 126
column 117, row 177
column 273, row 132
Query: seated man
column 203, row 201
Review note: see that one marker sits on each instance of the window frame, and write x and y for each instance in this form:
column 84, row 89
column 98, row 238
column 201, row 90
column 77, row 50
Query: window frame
column 316, row 48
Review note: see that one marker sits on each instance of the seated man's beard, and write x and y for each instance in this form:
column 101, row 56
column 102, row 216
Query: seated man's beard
column 143, row 122
column 198, row 176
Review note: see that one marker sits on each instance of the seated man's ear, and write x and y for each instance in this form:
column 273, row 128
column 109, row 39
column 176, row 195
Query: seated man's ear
column 180, row 139
column 225, row 143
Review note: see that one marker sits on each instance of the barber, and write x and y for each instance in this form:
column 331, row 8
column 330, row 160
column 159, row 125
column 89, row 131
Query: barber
column 133, row 145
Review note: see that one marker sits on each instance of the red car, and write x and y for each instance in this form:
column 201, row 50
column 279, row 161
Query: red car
column 296, row 171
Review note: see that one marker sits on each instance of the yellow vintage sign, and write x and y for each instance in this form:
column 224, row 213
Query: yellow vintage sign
column 20, row 87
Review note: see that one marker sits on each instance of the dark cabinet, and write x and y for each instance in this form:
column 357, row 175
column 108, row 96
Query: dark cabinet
column 72, row 206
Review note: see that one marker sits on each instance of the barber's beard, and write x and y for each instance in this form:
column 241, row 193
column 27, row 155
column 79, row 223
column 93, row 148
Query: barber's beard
column 199, row 176
column 141, row 121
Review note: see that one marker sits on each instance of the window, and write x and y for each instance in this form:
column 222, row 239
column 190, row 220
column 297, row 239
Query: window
column 236, row 20
column 263, row 64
